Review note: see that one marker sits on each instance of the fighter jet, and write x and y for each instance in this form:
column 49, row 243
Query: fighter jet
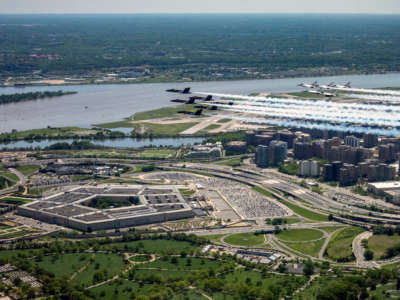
column 327, row 87
column 184, row 91
column 189, row 101
column 308, row 85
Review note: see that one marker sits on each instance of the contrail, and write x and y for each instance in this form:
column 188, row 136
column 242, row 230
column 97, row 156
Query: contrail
column 300, row 102
column 368, row 91
column 383, row 98
column 331, row 116
column 320, row 126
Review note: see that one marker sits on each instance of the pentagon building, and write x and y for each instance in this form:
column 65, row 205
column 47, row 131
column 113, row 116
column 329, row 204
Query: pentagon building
column 91, row 208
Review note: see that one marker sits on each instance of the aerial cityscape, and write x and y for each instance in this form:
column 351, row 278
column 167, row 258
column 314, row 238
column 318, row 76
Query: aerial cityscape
column 219, row 151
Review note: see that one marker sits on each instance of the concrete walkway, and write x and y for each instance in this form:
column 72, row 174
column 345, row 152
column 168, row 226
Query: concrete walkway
column 358, row 251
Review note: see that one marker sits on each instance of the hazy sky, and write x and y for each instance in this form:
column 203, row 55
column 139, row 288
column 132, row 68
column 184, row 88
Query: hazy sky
column 200, row 6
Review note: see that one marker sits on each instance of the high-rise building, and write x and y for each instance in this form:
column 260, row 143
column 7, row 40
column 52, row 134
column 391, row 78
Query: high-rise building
column 277, row 152
column 302, row 150
column 387, row 153
column 370, row 140
column 309, row 168
column 352, row 141
column 287, row 136
column 262, row 156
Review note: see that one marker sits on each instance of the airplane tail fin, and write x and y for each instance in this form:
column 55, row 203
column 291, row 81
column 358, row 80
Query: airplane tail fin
column 191, row 100
column 348, row 84
column 198, row 112
column 186, row 90
column 208, row 98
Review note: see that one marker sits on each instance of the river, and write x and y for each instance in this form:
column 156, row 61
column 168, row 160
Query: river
column 115, row 143
column 107, row 103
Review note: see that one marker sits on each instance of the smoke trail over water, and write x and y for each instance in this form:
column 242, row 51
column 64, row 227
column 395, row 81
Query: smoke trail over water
column 318, row 114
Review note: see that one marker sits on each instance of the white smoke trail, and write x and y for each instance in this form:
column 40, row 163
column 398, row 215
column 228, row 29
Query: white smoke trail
column 368, row 91
column 388, row 99
column 320, row 126
column 313, row 103
column 331, row 115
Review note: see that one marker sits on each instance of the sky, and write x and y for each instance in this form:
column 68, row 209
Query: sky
column 201, row 6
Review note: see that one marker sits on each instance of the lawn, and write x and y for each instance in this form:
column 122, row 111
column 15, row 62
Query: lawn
column 287, row 283
column 182, row 264
column 308, row 214
column 155, row 153
column 7, row 179
column 154, row 246
column 340, row 245
column 330, row 228
column 380, row 243
column 309, row 248
column 167, row 275
column 245, row 239
column 28, row 170
column 231, row 162
column 215, row 238
column 295, row 235
column 127, row 290
column 212, row 127
column 290, row 168
column 112, row 263
column 64, row 264
column 140, row 258
column 161, row 112
column 221, row 121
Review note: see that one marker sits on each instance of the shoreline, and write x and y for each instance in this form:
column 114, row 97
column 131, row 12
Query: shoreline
column 198, row 81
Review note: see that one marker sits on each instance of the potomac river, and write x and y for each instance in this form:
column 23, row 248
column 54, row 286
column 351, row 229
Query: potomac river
column 106, row 103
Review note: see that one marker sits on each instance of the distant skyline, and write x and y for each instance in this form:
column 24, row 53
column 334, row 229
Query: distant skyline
column 203, row 6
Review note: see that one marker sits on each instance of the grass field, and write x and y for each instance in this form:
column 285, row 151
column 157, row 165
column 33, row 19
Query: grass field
column 340, row 245
column 64, row 264
column 188, row 264
column 28, row 170
column 140, row 258
column 380, row 243
column 162, row 112
column 245, row 239
column 215, row 238
column 295, row 235
column 212, row 127
column 154, row 246
column 48, row 132
column 221, row 121
column 112, row 263
column 288, row 283
column 155, row 153
column 127, row 290
column 232, row 162
column 305, row 213
column 330, row 228
column 309, row 248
